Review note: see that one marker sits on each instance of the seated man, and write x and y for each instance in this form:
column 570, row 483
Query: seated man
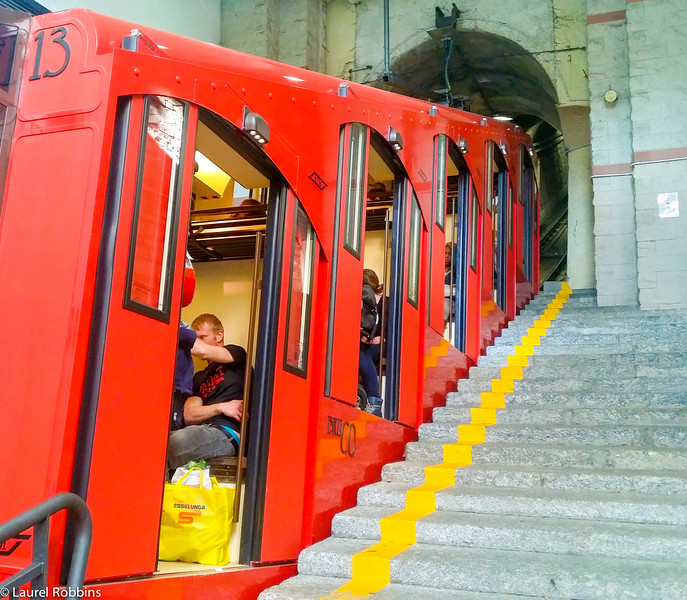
column 213, row 414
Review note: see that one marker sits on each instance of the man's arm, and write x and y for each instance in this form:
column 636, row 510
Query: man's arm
column 211, row 353
column 196, row 413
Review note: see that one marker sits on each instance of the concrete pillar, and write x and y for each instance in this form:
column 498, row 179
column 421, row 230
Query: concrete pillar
column 251, row 27
column 611, row 135
column 658, row 86
column 581, row 264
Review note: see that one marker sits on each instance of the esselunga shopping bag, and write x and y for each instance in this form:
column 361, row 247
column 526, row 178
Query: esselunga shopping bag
column 196, row 524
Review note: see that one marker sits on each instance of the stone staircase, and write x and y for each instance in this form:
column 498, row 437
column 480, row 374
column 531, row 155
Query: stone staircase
column 579, row 491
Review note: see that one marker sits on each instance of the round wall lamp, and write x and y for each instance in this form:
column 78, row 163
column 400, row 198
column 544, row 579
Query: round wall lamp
column 611, row 96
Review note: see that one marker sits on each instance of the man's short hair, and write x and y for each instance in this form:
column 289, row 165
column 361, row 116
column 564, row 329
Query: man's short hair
column 207, row 319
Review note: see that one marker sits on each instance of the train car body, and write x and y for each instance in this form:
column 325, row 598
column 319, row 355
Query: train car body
column 105, row 192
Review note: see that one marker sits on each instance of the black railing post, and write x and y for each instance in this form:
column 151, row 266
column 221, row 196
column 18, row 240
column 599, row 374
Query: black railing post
column 37, row 517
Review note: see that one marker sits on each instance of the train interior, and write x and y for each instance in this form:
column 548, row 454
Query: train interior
column 228, row 218
column 382, row 186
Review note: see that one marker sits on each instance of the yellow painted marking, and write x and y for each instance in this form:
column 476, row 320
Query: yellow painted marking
column 441, row 349
column 502, row 385
column 531, row 340
column 471, row 434
column 483, row 416
column 400, row 527
column 423, row 496
column 431, row 361
column 372, row 566
column 443, row 475
column 524, row 350
column 493, row 400
column 458, row 455
column 511, row 372
column 516, row 360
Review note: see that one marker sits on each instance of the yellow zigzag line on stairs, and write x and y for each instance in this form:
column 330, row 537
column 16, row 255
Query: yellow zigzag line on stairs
column 371, row 567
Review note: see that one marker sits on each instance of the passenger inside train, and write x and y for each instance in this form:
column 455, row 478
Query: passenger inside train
column 213, row 413
column 371, row 344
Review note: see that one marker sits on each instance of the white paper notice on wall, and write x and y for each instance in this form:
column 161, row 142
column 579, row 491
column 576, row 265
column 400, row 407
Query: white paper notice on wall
column 668, row 205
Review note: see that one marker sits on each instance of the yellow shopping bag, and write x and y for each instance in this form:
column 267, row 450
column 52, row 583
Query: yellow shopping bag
column 196, row 524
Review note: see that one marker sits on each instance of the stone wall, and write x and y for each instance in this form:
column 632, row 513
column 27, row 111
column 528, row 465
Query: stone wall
column 638, row 50
column 658, row 86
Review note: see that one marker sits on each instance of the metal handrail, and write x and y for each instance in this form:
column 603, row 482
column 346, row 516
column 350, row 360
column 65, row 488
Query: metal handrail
column 37, row 517
column 247, row 377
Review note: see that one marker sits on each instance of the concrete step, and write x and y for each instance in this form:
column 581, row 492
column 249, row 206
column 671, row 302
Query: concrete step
column 658, row 359
column 513, row 572
column 584, row 399
column 647, row 436
column 649, row 338
column 650, row 481
column 671, row 366
column 542, row 415
column 623, row 346
column 538, row 455
column 312, row 587
column 526, row 533
column 597, row 385
column 582, row 504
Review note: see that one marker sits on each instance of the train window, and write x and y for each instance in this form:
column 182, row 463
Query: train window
column 414, row 252
column 474, row 224
column 156, row 209
column 356, row 187
column 440, row 179
column 489, row 192
column 300, row 295
column 509, row 201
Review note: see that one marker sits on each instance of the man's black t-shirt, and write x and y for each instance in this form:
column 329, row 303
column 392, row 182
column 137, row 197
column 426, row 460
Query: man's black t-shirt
column 221, row 382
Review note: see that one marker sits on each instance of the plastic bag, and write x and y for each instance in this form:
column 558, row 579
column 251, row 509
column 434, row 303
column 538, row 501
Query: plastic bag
column 194, row 477
column 196, row 525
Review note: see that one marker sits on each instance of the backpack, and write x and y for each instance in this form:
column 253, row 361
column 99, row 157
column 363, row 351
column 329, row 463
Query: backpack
column 369, row 315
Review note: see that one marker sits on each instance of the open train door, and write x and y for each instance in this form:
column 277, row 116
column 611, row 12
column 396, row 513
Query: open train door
column 125, row 407
column 280, row 419
column 406, row 305
column 343, row 330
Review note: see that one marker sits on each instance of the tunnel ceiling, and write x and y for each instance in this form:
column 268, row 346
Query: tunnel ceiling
column 488, row 74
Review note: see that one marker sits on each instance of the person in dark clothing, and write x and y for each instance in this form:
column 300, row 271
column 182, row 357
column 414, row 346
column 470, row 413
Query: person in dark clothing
column 213, row 413
column 370, row 345
column 183, row 374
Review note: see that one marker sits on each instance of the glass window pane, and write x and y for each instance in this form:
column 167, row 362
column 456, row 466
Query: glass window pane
column 155, row 216
column 300, row 294
column 356, row 188
column 414, row 252
column 440, row 180
column 474, row 222
column 509, row 200
column 489, row 192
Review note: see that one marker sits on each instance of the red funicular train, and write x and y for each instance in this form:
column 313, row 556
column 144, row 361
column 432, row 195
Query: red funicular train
column 123, row 148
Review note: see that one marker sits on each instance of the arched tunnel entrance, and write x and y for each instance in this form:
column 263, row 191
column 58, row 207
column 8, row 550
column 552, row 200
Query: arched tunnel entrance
column 494, row 76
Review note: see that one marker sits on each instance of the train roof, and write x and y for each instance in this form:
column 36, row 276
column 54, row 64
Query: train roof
column 109, row 33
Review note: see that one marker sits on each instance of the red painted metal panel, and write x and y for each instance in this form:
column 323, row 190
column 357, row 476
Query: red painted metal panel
column 43, row 305
column 231, row 584
column 130, row 437
column 351, row 448
column 291, row 406
column 348, row 299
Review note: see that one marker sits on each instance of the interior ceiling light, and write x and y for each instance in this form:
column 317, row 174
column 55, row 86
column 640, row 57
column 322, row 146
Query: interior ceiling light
column 210, row 174
column 503, row 118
